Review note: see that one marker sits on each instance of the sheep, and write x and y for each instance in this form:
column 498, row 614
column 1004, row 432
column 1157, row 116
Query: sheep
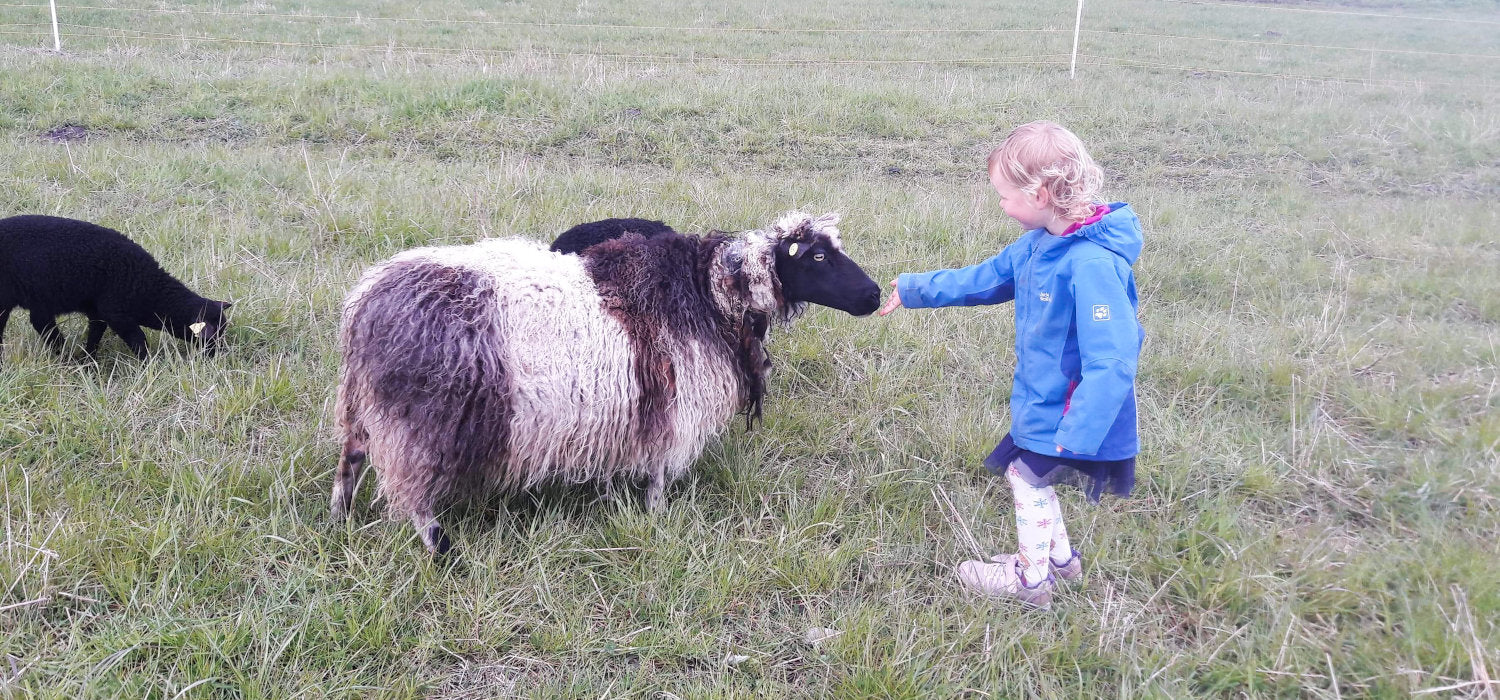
column 50, row 265
column 499, row 366
column 576, row 239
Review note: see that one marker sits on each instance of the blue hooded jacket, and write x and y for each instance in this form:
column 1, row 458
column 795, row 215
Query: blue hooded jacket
column 1077, row 337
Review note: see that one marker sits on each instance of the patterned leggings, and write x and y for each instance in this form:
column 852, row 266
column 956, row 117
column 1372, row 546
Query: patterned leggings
column 1039, row 526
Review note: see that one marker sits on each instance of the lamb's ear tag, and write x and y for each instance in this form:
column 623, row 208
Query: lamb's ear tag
column 792, row 251
column 197, row 329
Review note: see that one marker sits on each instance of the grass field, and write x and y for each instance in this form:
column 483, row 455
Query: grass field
column 1318, row 507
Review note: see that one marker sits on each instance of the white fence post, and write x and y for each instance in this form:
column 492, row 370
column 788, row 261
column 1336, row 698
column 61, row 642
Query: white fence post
column 1077, row 23
column 56, row 38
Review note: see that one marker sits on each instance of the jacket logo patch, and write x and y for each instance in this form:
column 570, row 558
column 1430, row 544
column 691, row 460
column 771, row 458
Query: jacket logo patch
column 1046, row 296
column 1101, row 312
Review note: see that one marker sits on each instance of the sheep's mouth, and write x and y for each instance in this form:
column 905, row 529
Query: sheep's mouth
column 863, row 307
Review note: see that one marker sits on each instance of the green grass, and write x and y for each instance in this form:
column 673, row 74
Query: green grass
column 1316, row 514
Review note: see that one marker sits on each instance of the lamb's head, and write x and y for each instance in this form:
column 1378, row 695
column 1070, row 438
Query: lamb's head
column 201, row 322
column 812, row 267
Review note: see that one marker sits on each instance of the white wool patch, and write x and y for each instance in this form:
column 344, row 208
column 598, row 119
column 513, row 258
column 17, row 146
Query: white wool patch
column 827, row 225
column 757, row 253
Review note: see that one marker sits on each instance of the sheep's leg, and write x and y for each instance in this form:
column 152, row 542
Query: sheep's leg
column 47, row 326
column 656, row 489
column 97, row 327
column 607, row 492
column 432, row 533
column 346, row 477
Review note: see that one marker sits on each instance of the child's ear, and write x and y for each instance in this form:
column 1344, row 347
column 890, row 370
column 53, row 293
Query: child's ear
column 1043, row 198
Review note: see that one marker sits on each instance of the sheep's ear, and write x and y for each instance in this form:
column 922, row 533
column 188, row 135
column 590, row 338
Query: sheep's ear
column 225, row 304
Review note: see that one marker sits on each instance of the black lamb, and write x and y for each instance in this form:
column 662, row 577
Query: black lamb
column 576, row 239
column 50, row 265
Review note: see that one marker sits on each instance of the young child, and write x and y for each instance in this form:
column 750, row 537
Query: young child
column 1072, row 405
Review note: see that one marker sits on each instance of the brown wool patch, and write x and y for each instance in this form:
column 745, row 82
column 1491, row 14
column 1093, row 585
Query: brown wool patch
column 422, row 369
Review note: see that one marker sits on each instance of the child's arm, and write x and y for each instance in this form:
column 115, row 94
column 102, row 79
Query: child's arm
column 990, row 282
column 1109, row 345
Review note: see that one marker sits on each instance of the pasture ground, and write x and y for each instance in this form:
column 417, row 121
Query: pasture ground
column 1318, row 505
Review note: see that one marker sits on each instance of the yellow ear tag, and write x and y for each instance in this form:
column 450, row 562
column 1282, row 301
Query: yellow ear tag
column 197, row 329
column 792, row 251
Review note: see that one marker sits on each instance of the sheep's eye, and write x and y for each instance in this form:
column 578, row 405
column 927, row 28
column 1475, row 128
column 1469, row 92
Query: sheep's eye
column 819, row 257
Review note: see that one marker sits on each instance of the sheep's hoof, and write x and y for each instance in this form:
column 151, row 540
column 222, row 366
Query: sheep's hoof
column 656, row 499
column 432, row 534
column 437, row 542
column 341, row 504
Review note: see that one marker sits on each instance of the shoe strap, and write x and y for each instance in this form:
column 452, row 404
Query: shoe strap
column 1021, row 576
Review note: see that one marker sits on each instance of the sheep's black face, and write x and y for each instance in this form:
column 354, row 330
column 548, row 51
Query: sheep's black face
column 206, row 328
column 816, row 271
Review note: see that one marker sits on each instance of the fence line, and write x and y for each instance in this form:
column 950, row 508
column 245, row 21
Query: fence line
column 570, row 25
column 120, row 33
column 793, row 30
column 1323, row 78
column 1041, row 59
column 357, row 17
column 1462, row 20
column 657, row 59
column 1258, row 42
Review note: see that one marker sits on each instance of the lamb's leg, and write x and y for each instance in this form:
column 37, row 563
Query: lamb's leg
column 132, row 335
column 97, row 327
column 432, row 533
column 47, row 326
column 346, row 477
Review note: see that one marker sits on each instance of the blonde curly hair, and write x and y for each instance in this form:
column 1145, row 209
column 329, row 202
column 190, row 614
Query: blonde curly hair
column 1044, row 155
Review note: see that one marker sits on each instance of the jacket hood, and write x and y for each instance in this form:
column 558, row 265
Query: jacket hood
column 1119, row 231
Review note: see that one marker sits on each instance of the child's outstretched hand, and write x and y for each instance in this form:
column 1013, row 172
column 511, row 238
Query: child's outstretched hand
column 892, row 303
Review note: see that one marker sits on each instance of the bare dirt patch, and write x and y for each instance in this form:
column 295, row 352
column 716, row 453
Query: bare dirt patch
column 65, row 133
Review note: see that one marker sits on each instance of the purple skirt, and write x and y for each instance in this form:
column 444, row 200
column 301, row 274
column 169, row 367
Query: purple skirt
column 1039, row 470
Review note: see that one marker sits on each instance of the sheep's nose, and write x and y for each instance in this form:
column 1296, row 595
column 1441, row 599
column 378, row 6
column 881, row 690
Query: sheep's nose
column 870, row 304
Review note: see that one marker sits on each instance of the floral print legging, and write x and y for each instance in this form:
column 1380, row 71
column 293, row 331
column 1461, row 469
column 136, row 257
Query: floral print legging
column 1039, row 527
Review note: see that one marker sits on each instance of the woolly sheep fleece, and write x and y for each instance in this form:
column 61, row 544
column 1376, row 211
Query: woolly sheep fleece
column 498, row 366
